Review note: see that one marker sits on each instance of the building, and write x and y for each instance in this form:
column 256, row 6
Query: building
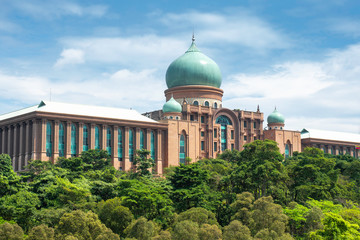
column 336, row 143
column 192, row 123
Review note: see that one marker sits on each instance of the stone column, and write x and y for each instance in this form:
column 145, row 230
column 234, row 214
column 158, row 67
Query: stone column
column 80, row 136
column 15, row 148
column 27, row 143
column 21, row 147
column 10, row 140
column 68, row 140
column 159, row 155
column 127, row 163
column 114, row 150
column 137, row 138
column 92, row 136
column 43, row 141
column 56, row 141
column 36, row 141
column 3, row 140
column 103, row 137
column 148, row 139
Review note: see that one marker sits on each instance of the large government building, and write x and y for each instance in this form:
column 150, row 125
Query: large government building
column 192, row 123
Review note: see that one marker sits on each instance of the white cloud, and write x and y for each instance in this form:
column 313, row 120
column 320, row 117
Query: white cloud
column 239, row 27
column 321, row 95
column 141, row 90
column 135, row 52
column 347, row 26
column 54, row 9
column 70, row 56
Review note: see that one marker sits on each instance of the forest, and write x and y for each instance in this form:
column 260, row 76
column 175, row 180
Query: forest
column 251, row 194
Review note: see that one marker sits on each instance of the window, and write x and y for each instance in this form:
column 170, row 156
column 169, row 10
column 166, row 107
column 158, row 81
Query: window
column 232, row 134
column 224, row 121
column 131, row 145
column 254, row 124
column 245, row 138
column 108, row 140
column 254, row 138
column 97, row 138
column 215, row 105
column 215, row 133
column 215, row 146
column 202, row 145
column 207, row 104
column 245, row 124
column 191, row 117
column 182, row 153
column 142, row 139
column 85, row 138
column 177, row 118
column 48, row 139
column 232, row 146
column 152, row 145
column 287, row 151
column 120, row 168
column 120, row 145
column 73, row 140
column 61, row 140
column 171, row 117
column 202, row 133
column 196, row 103
column 202, row 119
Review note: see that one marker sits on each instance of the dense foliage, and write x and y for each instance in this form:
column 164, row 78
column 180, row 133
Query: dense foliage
column 252, row 194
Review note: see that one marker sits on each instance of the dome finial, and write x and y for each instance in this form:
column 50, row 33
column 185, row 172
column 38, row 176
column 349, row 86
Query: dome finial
column 275, row 108
column 193, row 37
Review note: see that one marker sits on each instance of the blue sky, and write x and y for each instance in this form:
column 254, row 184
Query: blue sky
column 301, row 56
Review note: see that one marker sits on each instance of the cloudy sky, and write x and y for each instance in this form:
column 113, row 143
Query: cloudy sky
column 301, row 56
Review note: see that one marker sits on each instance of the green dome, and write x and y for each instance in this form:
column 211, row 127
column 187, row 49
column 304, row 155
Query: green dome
column 193, row 68
column 275, row 117
column 172, row 106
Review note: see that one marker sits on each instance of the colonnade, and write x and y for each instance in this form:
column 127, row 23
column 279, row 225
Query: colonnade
column 31, row 139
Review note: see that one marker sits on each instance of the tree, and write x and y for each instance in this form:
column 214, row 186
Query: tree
column 236, row 231
column 41, row 232
column 186, row 230
column 143, row 163
column 11, row 232
column 268, row 215
column 9, row 181
column 83, row 226
column 114, row 215
column 198, row 215
column 260, row 171
column 163, row 235
column 313, row 176
column 142, row 229
column 210, row 232
column 242, row 207
column 20, row 207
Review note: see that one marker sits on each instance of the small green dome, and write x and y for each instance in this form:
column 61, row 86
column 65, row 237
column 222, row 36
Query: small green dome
column 193, row 68
column 172, row 106
column 275, row 117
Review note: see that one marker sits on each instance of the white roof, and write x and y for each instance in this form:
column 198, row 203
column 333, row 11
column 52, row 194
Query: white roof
column 83, row 110
column 330, row 135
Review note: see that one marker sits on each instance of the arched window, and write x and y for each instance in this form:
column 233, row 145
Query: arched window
column 223, row 121
column 85, row 138
column 196, row 103
column 48, row 139
column 171, row 117
column 142, row 139
column 61, row 140
column 215, row 105
column 108, row 140
column 182, row 153
column 207, row 104
column 131, row 145
column 152, row 145
column 73, row 140
column 287, row 151
column 120, row 145
column 97, row 138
